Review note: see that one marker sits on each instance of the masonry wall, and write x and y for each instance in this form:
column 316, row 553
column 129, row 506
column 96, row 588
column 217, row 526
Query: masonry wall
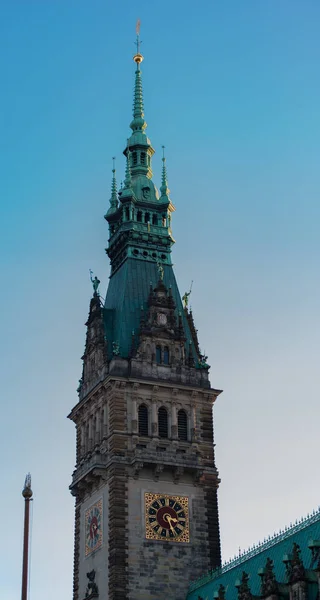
column 97, row 560
column 160, row 570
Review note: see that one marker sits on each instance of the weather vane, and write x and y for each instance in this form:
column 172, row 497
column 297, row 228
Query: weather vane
column 138, row 58
column 138, row 36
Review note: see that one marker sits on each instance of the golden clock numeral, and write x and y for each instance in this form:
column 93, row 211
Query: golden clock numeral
column 167, row 502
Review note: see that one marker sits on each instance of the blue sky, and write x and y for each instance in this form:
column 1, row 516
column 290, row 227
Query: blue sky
column 232, row 90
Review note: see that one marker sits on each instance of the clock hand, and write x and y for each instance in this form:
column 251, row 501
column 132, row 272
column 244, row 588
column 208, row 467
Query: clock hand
column 170, row 521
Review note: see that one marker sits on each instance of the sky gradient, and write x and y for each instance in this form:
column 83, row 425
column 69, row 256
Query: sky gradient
column 232, row 90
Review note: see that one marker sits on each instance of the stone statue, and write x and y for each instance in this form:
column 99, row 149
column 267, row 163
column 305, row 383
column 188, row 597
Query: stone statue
column 95, row 282
column 269, row 584
column 185, row 297
column 92, row 588
column 244, row 592
column 160, row 270
column 115, row 348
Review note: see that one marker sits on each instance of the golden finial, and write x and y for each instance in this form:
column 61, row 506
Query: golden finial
column 138, row 58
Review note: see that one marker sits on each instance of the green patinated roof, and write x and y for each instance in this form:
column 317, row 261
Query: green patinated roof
column 255, row 559
column 128, row 290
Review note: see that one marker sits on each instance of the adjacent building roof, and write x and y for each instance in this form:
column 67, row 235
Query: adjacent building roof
column 304, row 535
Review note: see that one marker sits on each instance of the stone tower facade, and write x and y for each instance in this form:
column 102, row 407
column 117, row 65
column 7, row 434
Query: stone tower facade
column 145, row 482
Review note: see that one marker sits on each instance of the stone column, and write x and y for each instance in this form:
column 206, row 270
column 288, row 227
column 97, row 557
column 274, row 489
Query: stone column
column 134, row 419
column 174, row 422
column 105, row 420
column 82, row 441
column 193, row 423
column 154, row 418
column 97, row 432
column 90, row 441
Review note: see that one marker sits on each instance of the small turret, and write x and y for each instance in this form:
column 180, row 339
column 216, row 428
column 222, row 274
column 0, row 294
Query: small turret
column 114, row 195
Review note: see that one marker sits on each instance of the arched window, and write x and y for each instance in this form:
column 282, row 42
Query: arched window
column 158, row 354
column 154, row 219
column 143, row 158
column 127, row 214
column 147, row 217
column 143, row 420
column 139, row 216
column 163, row 422
column 182, row 425
column 166, row 355
column 134, row 158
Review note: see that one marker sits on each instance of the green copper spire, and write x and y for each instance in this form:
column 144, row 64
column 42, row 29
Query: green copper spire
column 114, row 193
column 164, row 181
column 139, row 144
column 138, row 123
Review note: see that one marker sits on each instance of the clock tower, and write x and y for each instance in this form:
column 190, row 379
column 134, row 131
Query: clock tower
column 145, row 482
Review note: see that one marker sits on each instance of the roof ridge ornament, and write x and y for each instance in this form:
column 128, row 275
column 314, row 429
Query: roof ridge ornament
column 164, row 189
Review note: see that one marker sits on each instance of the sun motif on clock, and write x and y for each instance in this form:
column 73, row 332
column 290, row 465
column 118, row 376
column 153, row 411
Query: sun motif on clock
column 167, row 518
column 93, row 527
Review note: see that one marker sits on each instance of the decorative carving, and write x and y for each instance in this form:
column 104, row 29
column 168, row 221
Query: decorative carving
column 294, row 565
column 269, row 584
column 115, row 348
column 92, row 588
column 221, row 592
column 177, row 473
column 244, row 592
column 314, row 546
column 157, row 471
column 197, row 477
column 136, row 469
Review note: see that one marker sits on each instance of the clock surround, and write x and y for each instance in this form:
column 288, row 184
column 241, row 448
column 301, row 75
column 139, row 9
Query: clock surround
column 166, row 517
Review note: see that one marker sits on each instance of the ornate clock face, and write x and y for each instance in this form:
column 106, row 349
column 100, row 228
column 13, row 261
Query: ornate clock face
column 93, row 527
column 167, row 517
column 162, row 319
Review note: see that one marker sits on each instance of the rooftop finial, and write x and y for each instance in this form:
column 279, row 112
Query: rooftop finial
column 114, row 196
column 138, row 123
column 164, row 182
column 114, row 193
